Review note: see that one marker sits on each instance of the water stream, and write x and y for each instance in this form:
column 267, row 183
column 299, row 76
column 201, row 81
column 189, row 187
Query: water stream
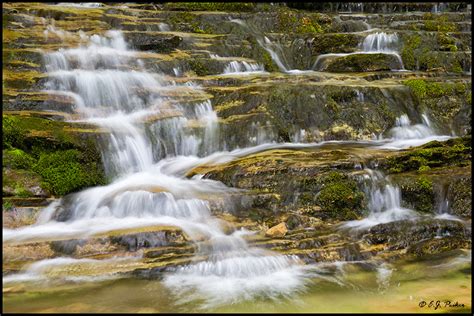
column 142, row 193
column 374, row 43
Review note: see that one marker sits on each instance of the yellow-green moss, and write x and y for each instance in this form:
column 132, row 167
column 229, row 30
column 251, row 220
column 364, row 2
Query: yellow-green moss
column 65, row 171
column 454, row 152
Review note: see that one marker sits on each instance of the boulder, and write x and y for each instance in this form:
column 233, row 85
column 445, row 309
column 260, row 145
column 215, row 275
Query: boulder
column 277, row 231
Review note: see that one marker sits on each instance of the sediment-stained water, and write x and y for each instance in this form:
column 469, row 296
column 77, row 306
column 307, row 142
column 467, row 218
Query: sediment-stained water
column 340, row 287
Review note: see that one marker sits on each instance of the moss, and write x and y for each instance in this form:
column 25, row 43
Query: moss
column 189, row 22
column 22, row 183
column 17, row 159
column 425, row 183
column 26, row 132
column 340, row 196
column 65, row 162
column 363, row 62
column 65, row 171
column 211, row 6
column 199, row 67
column 21, row 79
column 335, row 43
column 438, row 23
column 422, row 88
column 268, row 63
column 290, row 20
column 408, row 51
column 7, row 205
column 454, row 152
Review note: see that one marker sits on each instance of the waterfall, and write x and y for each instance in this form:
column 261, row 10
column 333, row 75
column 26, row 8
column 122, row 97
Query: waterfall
column 442, row 206
column 243, row 68
column 163, row 27
column 405, row 134
column 148, row 151
column 384, row 202
column 270, row 47
column 374, row 43
column 405, row 130
column 379, row 42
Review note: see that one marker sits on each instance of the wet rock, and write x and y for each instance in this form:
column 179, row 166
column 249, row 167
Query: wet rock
column 158, row 42
column 438, row 245
column 134, row 242
column 362, row 62
column 460, row 197
column 67, row 247
column 17, row 216
column 277, row 231
column 405, row 233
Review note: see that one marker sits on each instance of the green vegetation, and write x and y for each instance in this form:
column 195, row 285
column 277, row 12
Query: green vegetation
column 7, row 205
column 408, row 51
column 363, row 62
column 210, row 6
column 64, row 171
column 453, row 152
column 199, row 67
column 340, row 197
column 17, row 159
column 335, row 43
column 422, row 88
column 290, row 20
column 438, row 23
column 41, row 152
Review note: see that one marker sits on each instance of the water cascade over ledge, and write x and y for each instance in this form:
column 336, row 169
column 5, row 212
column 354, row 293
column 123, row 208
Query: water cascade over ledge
column 141, row 194
column 374, row 43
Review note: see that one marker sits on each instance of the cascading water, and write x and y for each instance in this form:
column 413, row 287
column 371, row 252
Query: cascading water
column 405, row 130
column 275, row 50
column 380, row 42
column 384, row 202
column 374, row 43
column 144, row 193
column 243, row 68
column 404, row 134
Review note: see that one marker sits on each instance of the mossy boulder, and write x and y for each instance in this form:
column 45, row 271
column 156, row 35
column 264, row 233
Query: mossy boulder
column 405, row 233
column 161, row 43
column 363, row 62
column 65, row 171
column 42, row 156
column 340, row 197
column 460, row 196
column 417, row 192
column 453, row 152
column 334, row 43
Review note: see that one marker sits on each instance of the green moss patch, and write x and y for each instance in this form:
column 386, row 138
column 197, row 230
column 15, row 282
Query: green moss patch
column 454, row 152
column 340, row 196
column 67, row 171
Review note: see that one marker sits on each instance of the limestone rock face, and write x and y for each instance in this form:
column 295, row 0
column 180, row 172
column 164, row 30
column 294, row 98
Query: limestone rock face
column 277, row 231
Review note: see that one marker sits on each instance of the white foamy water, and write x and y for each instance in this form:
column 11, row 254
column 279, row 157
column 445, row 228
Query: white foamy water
column 380, row 42
column 243, row 68
column 384, row 203
column 163, row 27
column 405, row 134
column 374, row 43
column 405, row 130
column 85, row 5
